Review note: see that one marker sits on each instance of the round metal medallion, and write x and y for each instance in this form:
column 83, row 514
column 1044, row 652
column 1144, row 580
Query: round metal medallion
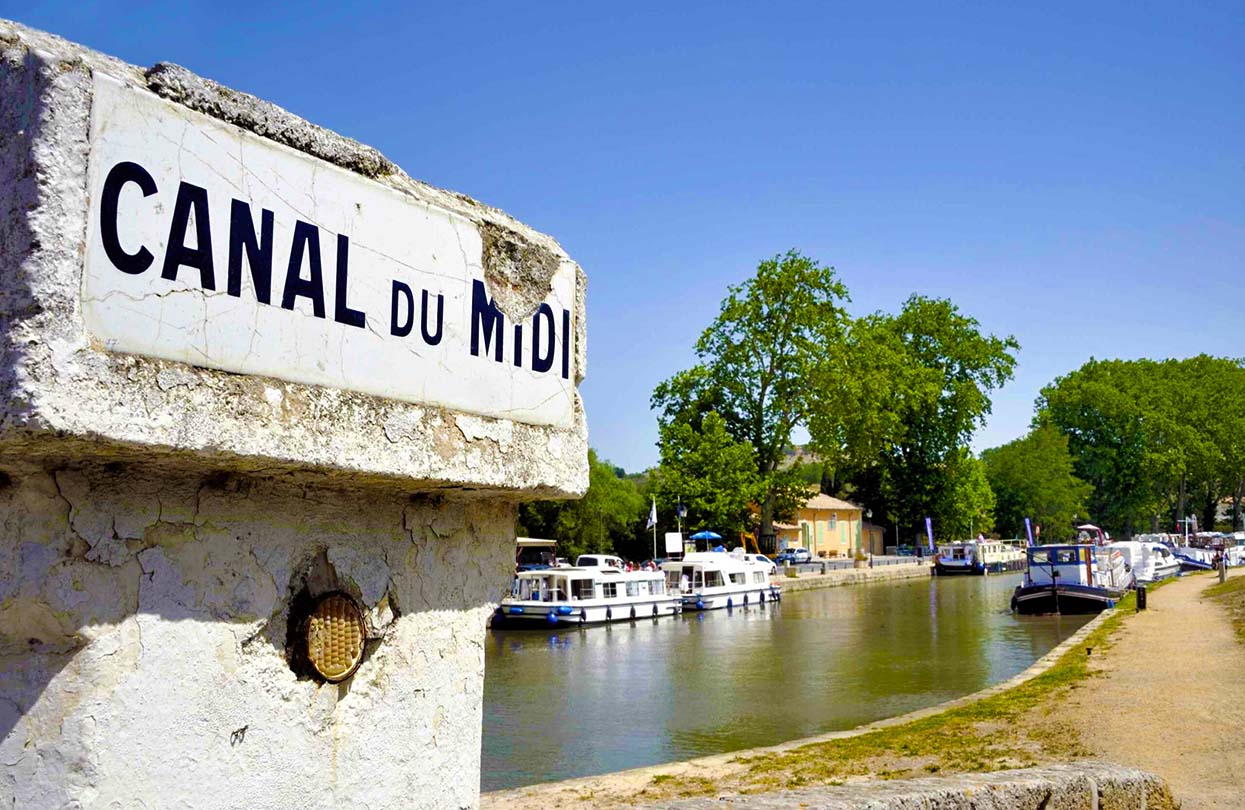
column 335, row 637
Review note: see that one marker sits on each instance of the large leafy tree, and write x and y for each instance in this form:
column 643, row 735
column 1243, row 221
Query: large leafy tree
column 603, row 521
column 1156, row 439
column 709, row 472
column 967, row 501
column 905, row 394
column 1032, row 477
column 756, row 361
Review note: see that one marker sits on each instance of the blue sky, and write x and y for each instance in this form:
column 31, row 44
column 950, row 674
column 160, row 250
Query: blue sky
column 1070, row 174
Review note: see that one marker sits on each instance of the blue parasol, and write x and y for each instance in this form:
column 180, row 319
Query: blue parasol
column 706, row 536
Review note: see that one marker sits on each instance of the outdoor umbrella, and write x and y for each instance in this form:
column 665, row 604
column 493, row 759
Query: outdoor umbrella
column 706, row 536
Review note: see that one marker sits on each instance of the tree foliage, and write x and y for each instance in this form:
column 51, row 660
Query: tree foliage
column 711, row 473
column 1157, row 440
column 1032, row 477
column 901, row 403
column 756, row 361
column 603, row 521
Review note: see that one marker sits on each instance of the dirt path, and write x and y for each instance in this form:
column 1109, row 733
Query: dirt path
column 1178, row 665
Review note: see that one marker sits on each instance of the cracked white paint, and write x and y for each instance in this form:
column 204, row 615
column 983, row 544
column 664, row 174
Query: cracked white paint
column 123, row 681
column 391, row 237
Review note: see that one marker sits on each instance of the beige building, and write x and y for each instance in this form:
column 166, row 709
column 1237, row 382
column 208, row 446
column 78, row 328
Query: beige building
column 826, row 526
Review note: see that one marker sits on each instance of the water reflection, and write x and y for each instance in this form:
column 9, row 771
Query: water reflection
column 578, row 702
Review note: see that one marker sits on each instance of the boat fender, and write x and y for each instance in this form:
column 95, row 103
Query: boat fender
column 700, row 604
column 609, row 614
column 516, row 611
column 730, row 604
column 654, row 610
column 551, row 617
column 633, row 613
column 583, row 615
column 565, row 610
column 745, row 600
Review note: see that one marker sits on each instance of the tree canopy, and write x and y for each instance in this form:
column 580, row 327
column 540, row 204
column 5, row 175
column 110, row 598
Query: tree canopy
column 756, row 361
column 1032, row 477
column 600, row 522
column 1157, row 440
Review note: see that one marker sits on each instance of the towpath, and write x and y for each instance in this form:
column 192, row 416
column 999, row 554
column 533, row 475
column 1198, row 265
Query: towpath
column 1168, row 697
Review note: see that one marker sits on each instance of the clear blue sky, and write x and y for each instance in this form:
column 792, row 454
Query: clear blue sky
column 1072, row 175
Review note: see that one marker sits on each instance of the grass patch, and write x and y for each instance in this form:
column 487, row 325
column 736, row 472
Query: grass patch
column 986, row 735
column 1231, row 595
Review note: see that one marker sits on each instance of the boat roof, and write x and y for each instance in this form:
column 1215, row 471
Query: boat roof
column 534, row 542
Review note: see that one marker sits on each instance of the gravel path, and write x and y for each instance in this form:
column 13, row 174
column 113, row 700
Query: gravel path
column 1169, row 699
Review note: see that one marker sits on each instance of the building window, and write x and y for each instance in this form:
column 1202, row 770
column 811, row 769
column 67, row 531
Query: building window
column 834, row 521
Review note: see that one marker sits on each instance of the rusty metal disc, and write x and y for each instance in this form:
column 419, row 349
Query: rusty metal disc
column 335, row 637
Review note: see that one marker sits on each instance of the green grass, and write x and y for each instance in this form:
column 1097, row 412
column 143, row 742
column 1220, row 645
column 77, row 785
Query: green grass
column 986, row 735
column 1231, row 595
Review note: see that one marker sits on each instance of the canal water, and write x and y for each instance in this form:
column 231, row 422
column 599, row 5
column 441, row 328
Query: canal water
column 560, row 704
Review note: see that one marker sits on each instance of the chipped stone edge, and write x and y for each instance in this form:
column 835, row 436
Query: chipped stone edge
column 36, row 425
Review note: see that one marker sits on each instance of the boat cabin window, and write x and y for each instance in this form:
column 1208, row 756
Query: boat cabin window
column 582, row 589
column 609, row 589
column 739, row 578
column 657, row 586
column 633, row 588
column 758, row 576
column 713, row 579
column 1068, row 556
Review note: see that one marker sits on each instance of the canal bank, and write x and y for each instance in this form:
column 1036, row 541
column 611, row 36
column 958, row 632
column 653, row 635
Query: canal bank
column 567, row 704
column 902, row 745
column 835, row 578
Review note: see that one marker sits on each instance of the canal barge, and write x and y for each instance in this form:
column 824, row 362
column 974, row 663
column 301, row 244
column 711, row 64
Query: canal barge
column 588, row 595
column 1071, row 579
column 707, row 580
column 978, row 557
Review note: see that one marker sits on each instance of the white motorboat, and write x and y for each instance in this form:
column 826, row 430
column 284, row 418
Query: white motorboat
column 978, row 557
column 587, row 595
column 707, row 580
column 1072, row 579
column 1149, row 561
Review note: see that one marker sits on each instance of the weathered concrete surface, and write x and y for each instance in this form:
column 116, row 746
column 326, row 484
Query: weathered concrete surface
column 159, row 520
column 852, row 576
column 1080, row 786
column 143, row 649
column 62, row 395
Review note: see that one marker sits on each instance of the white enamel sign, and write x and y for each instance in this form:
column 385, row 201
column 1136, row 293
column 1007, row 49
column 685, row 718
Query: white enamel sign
column 211, row 246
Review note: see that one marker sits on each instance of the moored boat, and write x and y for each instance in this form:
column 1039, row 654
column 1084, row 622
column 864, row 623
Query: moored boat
column 978, row 557
column 589, row 595
column 1149, row 561
column 707, row 580
column 1071, row 579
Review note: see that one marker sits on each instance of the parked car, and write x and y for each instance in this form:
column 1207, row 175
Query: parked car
column 762, row 560
column 795, row 556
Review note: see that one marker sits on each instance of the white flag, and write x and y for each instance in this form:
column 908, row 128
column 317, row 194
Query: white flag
column 652, row 516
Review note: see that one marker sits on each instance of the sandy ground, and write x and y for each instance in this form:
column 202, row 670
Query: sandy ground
column 1169, row 699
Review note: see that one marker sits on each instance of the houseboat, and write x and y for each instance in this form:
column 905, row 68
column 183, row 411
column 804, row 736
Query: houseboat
column 1148, row 561
column 978, row 557
column 1071, row 579
column 590, row 595
column 707, row 580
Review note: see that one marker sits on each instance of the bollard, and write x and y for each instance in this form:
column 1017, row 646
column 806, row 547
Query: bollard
column 790, row 570
column 823, row 566
column 1141, row 598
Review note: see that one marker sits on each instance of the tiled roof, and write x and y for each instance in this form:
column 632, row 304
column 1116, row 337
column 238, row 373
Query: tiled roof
column 820, row 501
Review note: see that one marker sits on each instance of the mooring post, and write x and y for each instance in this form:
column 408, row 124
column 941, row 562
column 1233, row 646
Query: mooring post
column 252, row 521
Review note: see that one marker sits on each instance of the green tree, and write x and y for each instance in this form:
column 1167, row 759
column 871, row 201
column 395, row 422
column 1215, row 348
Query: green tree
column 967, row 502
column 600, row 522
column 1032, row 477
column 757, row 360
column 714, row 476
column 906, row 394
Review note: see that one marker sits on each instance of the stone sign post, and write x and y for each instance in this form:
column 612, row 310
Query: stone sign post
column 267, row 407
